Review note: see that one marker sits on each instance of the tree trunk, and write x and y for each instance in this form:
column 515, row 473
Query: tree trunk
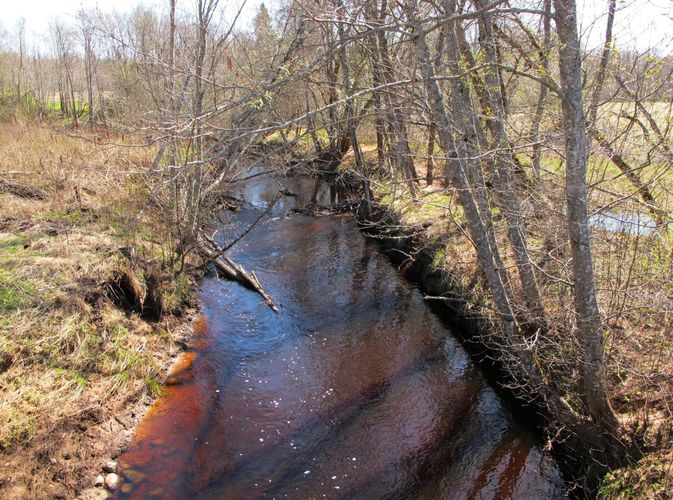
column 504, row 173
column 589, row 324
column 526, row 364
column 467, row 129
column 617, row 159
column 455, row 171
column 394, row 113
column 430, row 166
column 350, row 112
column 542, row 96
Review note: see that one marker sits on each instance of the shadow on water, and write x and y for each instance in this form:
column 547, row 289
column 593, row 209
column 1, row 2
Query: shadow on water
column 356, row 390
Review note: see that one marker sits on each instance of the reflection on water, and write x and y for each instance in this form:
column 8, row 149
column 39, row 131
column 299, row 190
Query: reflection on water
column 355, row 391
column 624, row 222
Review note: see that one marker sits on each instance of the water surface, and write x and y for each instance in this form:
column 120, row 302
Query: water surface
column 356, row 390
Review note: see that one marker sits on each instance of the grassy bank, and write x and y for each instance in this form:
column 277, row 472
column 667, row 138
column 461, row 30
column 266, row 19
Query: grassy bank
column 77, row 367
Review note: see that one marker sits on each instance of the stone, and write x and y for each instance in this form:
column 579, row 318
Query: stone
column 110, row 466
column 133, row 475
column 112, row 481
column 99, row 481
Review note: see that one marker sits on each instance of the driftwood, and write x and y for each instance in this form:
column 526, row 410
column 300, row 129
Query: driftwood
column 22, row 191
column 229, row 269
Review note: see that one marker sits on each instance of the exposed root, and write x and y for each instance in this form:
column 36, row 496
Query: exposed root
column 125, row 291
column 153, row 305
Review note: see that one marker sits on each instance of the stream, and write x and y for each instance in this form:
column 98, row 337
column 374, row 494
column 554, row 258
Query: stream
column 356, row 390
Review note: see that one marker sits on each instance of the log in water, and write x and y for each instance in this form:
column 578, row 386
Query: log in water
column 356, row 390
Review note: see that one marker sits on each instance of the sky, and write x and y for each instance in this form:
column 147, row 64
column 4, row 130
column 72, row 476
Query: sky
column 643, row 23
column 39, row 13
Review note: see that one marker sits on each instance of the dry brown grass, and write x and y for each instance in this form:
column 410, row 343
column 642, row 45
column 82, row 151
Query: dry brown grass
column 73, row 368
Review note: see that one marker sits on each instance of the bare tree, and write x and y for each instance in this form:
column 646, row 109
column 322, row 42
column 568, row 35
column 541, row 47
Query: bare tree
column 64, row 52
column 589, row 323
column 21, row 43
column 596, row 97
column 87, row 31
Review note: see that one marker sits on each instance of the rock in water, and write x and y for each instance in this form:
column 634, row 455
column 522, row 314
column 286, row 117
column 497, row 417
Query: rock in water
column 112, row 481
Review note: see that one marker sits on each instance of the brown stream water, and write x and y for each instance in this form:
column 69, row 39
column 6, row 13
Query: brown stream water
column 356, row 390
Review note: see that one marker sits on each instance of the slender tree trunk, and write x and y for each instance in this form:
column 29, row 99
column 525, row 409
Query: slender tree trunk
column 504, row 174
column 602, row 67
column 377, row 78
column 617, row 159
column 542, row 96
column 528, row 367
column 589, row 324
column 171, row 84
column 465, row 125
column 394, row 113
column 89, row 71
column 455, row 172
column 350, row 111
column 22, row 48
column 430, row 165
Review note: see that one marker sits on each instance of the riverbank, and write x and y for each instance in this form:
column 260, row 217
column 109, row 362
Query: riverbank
column 80, row 359
column 427, row 239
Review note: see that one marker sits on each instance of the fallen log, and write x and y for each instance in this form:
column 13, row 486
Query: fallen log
column 233, row 271
column 22, row 191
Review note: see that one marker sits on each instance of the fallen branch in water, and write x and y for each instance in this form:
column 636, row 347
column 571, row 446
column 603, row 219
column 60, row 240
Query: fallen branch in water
column 227, row 267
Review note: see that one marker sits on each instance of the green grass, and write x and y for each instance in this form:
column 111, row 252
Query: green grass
column 439, row 257
column 19, row 429
column 75, row 217
column 13, row 243
column 153, row 386
column 72, row 375
column 179, row 294
column 30, row 105
column 429, row 208
column 14, row 293
column 301, row 136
